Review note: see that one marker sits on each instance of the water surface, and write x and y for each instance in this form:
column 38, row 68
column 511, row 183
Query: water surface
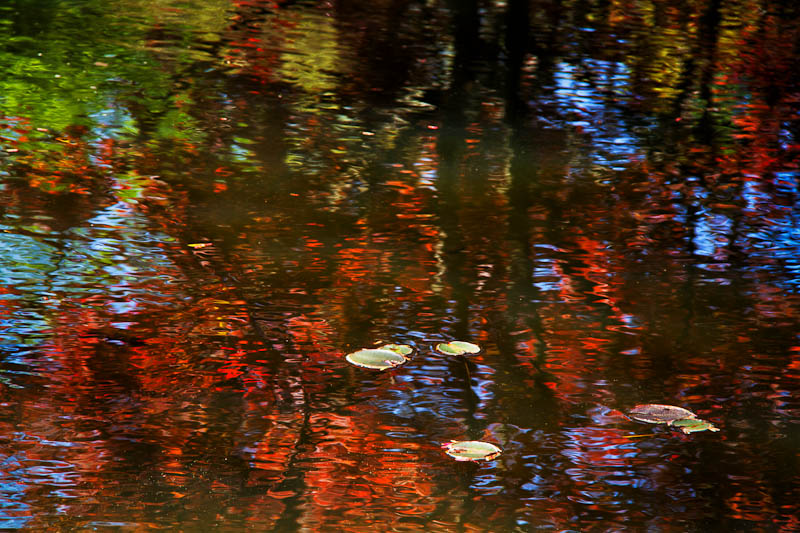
column 205, row 206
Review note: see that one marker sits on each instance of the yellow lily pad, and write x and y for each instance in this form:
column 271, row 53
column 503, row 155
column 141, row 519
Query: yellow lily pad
column 471, row 450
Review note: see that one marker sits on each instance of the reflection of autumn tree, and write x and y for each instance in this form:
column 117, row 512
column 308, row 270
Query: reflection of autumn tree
column 303, row 213
column 591, row 285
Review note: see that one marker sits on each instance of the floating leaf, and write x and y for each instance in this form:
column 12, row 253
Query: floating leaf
column 691, row 425
column 377, row 359
column 402, row 349
column 447, row 349
column 458, row 348
column 655, row 413
column 466, row 347
column 471, row 450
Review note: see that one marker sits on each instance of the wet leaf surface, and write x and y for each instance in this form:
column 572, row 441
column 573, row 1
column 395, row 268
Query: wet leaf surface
column 457, row 348
column 471, row 450
column 654, row 413
column 376, row 359
column 692, row 425
column 402, row 349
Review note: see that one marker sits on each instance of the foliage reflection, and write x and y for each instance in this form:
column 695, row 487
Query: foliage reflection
column 206, row 206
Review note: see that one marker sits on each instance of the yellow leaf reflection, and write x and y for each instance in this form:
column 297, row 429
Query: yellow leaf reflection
column 312, row 57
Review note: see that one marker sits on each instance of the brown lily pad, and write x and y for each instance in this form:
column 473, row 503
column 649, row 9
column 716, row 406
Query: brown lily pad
column 655, row 413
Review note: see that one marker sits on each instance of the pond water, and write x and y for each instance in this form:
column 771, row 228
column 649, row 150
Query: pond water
column 206, row 205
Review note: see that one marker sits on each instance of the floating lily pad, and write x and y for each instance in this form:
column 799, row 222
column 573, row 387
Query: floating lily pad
column 471, row 450
column 655, row 413
column 378, row 359
column 447, row 349
column 691, row 425
column 458, row 348
column 402, row 349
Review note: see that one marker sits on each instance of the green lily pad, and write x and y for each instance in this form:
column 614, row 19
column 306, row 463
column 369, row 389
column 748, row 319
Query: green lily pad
column 402, row 349
column 457, row 348
column 471, row 450
column 447, row 349
column 655, row 413
column 691, row 425
column 377, row 359
column 466, row 347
